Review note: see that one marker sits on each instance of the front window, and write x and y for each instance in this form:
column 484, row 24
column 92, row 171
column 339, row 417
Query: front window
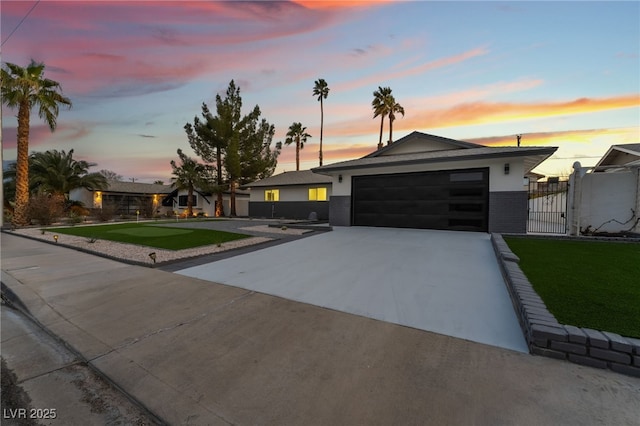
column 272, row 195
column 183, row 200
column 317, row 194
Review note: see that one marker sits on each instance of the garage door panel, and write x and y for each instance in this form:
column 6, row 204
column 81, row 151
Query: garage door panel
column 455, row 200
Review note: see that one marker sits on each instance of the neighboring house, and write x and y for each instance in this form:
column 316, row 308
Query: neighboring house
column 204, row 202
column 431, row 182
column 292, row 195
column 619, row 158
column 608, row 198
column 127, row 197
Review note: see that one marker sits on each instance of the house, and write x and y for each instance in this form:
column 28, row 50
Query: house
column 292, row 195
column 150, row 199
column 204, row 203
column 619, row 158
column 127, row 197
column 432, row 182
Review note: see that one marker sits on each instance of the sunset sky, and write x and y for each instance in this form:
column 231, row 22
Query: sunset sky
column 564, row 74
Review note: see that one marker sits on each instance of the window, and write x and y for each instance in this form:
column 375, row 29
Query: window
column 272, row 195
column 182, row 200
column 317, row 194
column 466, row 176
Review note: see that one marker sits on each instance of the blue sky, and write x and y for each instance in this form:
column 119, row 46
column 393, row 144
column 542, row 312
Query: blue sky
column 565, row 74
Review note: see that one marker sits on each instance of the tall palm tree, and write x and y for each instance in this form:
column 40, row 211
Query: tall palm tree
column 393, row 108
column 26, row 88
column 321, row 90
column 298, row 135
column 188, row 175
column 58, row 173
column 380, row 105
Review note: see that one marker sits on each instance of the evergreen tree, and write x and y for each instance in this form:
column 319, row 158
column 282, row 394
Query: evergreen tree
column 239, row 145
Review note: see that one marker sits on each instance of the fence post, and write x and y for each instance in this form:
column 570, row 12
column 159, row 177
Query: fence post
column 575, row 200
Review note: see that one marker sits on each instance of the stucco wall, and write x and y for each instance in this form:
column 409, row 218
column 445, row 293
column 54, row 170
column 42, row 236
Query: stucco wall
column 84, row 196
column 288, row 193
column 498, row 181
column 608, row 201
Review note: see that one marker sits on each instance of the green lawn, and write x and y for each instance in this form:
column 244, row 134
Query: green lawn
column 149, row 234
column 589, row 284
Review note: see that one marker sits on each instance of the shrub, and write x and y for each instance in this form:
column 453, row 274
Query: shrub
column 79, row 211
column 45, row 208
column 106, row 213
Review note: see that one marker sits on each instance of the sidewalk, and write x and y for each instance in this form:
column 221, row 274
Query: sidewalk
column 199, row 353
column 60, row 387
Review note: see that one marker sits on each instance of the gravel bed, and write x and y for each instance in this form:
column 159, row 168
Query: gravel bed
column 135, row 253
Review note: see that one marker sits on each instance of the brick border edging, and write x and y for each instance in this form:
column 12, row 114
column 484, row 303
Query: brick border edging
column 547, row 337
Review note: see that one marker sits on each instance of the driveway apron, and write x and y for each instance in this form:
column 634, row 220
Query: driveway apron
column 447, row 282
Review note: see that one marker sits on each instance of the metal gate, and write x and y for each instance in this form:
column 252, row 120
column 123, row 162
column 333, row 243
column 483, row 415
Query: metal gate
column 547, row 211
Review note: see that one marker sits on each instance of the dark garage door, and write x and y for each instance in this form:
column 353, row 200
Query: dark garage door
column 452, row 199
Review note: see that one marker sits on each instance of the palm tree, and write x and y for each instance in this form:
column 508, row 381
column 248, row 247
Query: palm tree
column 298, row 135
column 26, row 88
column 321, row 90
column 380, row 105
column 393, row 107
column 58, row 173
column 188, row 175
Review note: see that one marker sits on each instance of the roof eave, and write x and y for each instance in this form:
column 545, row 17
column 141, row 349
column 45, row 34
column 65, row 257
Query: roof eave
column 543, row 152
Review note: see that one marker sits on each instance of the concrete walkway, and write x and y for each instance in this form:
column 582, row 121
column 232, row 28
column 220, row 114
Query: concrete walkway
column 442, row 281
column 200, row 353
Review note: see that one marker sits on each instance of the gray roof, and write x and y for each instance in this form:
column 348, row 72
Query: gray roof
column 536, row 154
column 635, row 147
column 137, row 188
column 426, row 138
column 302, row 177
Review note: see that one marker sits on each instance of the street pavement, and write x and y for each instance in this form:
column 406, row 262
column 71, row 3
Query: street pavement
column 195, row 352
column 61, row 388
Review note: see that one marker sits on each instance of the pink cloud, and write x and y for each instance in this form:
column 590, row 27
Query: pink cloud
column 113, row 48
column 383, row 77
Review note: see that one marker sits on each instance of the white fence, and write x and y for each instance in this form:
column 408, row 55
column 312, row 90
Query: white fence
column 604, row 202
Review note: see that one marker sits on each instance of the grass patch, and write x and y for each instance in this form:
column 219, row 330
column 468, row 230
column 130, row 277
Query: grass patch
column 590, row 284
column 151, row 235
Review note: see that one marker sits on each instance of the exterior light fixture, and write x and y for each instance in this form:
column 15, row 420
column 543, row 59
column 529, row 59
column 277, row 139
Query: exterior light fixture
column 55, row 237
column 506, row 168
column 152, row 255
column 340, row 178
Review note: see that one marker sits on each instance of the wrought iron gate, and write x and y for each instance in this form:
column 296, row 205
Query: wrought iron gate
column 547, row 210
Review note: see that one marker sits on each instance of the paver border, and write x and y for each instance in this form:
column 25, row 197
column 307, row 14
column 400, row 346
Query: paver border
column 547, row 337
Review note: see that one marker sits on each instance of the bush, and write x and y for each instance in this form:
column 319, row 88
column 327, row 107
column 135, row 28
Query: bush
column 79, row 211
column 106, row 213
column 45, row 208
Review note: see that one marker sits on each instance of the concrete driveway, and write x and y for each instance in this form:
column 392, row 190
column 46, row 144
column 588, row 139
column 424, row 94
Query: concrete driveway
column 441, row 281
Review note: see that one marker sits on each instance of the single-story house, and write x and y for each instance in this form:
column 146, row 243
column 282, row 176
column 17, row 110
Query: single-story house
column 292, row 195
column 619, row 158
column 204, row 203
column 153, row 199
column 432, row 182
column 126, row 197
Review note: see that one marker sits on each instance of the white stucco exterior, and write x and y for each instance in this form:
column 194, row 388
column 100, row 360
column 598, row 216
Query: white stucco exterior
column 288, row 193
column 498, row 180
column 608, row 201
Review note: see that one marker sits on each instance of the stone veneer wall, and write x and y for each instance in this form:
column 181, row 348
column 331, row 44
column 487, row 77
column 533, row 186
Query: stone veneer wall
column 340, row 210
column 546, row 337
column 508, row 212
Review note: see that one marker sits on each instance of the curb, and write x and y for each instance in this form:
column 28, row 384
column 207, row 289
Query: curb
column 10, row 298
column 547, row 337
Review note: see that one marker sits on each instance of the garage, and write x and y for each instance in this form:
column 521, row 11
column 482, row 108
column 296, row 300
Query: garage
column 448, row 200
